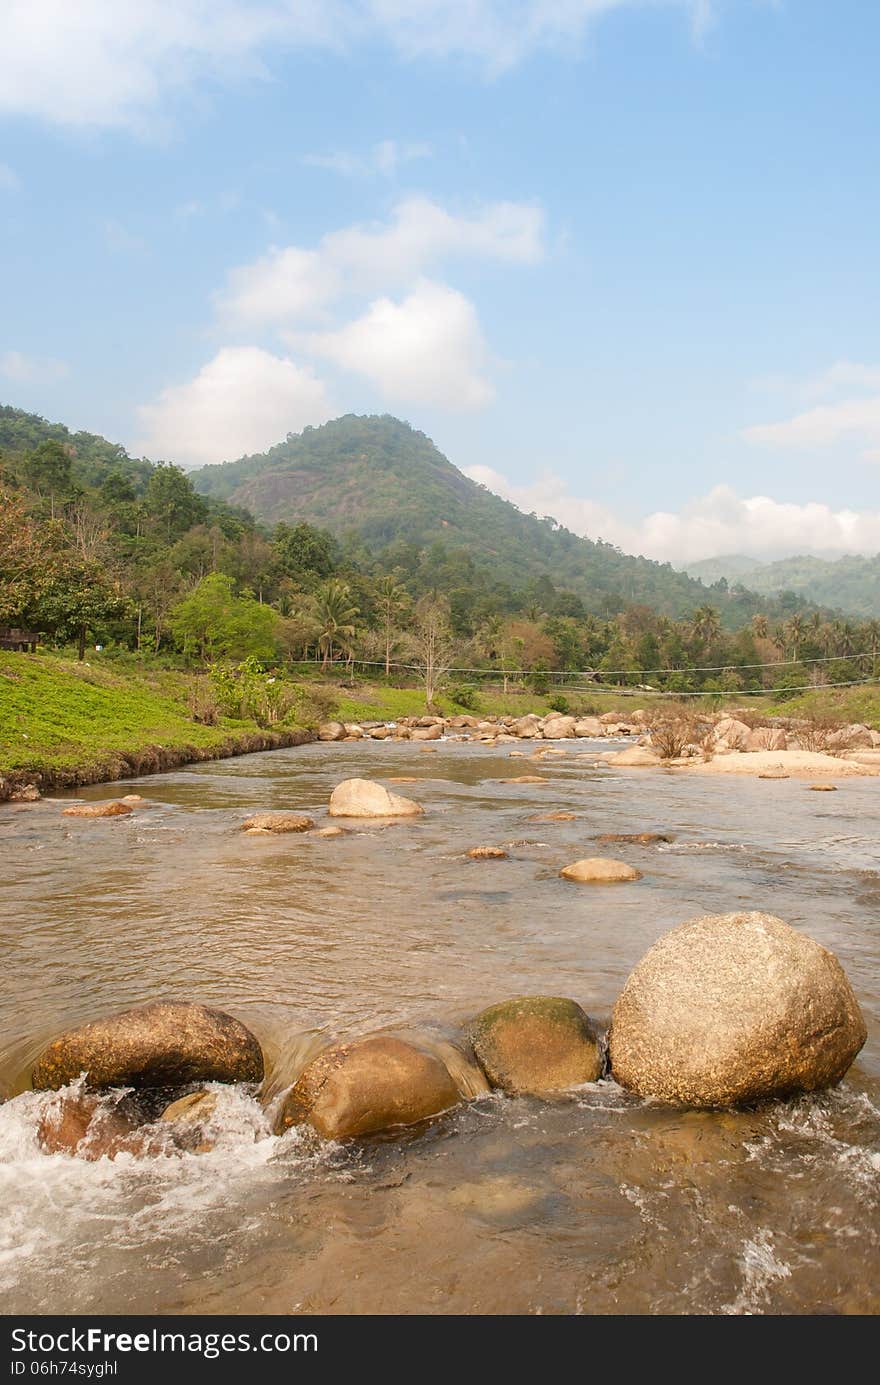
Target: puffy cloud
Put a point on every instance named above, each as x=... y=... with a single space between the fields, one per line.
x=115 y=63
x=15 y=365
x=291 y=282
x=712 y=525
x=852 y=419
x=427 y=349
x=243 y=400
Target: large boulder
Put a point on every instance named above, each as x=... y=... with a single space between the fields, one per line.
x=115 y=809
x=526 y=727
x=278 y=822
x=732 y=734
x=427 y=733
x=588 y=726
x=166 y=1044
x=536 y=1043
x=361 y=798
x=766 y=738
x=599 y=870
x=634 y=757
x=372 y=1084
x=852 y=737
x=331 y=731
x=733 y=1008
x=559 y=728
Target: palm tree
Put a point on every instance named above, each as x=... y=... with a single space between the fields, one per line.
x=392 y=600
x=872 y=634
x=335 y=614
x=705 y=625
x=796 y=630
x=760 y=629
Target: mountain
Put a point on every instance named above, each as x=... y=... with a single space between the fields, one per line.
x=850 y=583
x=93 y=457
x=378 y=481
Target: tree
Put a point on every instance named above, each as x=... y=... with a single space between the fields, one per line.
x=335 y=614
x=705 y=626
x=223 y=625
x=171 y=502
x=433 y=640
x=796 y=630
x=392 y=600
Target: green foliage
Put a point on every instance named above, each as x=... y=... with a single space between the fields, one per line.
x=465 y=695
x=218 y=624
x=560 y=703
x=251 y=692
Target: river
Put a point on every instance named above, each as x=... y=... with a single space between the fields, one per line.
x=594 y=1202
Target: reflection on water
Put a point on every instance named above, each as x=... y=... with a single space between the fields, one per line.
x=593 y=1202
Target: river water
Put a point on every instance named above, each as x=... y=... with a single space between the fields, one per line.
x=594 y=1202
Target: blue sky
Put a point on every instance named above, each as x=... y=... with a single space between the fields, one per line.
x=618 y=258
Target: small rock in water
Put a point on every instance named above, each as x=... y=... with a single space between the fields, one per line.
x=553 y=817
x=729 y=1009
x=28 y=793
x=822 y=788
x=91 y=1128
x=132 y=798
x=536 y=1044
x=599 y=870
x=526 y=779
x=637 y=838
x=331 y=831
x=372 y=1084
x=97 y=810
x=487 y=853
x=774 y=774
x=279 y=822
x=166 y=1044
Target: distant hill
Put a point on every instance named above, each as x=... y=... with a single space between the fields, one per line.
x=850 y=584
x=93 y=457
x=376 y=479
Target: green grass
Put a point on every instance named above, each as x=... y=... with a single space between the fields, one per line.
x=58 y=715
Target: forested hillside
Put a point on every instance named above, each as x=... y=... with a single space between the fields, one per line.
x=380 y=482
x=374 y=552
x=850 y=584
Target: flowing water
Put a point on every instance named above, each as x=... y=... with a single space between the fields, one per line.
x=593 y=1202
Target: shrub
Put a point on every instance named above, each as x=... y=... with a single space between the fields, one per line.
x=464 y=695
x=559 y=703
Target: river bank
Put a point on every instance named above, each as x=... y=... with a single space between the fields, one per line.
x=65 y=724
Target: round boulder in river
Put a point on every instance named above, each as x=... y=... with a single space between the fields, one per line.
x=372 y=1084
x=278 y=822
x=166 y=1044
x=361 y=798
x=730 y=1009
x=536 y=1043
x=599 y=870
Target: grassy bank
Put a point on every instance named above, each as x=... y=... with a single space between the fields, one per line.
x=63 y=723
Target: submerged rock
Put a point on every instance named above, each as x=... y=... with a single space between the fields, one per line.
x=361 y=798
x=599 y=870
x=97 y=810
x=487 y=853
x=822 y=788
x=536 y=1044
x=733 y=1008
x=278 y=822
x=553 y=817
x=638 y=838
x=369 y=1085
x=90 y=1127
x=166 y=1044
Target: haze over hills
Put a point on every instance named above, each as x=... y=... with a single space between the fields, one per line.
x=381 y=481
x=850 y=583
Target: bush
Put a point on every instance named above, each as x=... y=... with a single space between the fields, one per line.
x=559 y=703
x=248 y=692
x=464 y=695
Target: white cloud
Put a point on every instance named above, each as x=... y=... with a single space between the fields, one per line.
x=117 y=63
x=427 y=349
x=243 y=400
x=26 y=370
x=9 y=179
x=385 y=158
x=711 y=525
x=291 y=281
x=851 y=415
